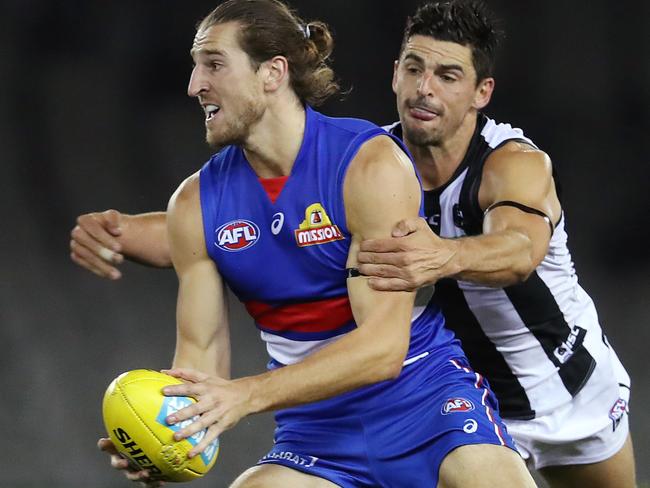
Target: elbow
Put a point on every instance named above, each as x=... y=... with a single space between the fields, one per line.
x=395 y=369
x=523 y=272
x=526 y=263
x=518 y=273
x=390 y=364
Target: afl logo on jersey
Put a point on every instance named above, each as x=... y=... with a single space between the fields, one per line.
x=237 y=235
x=454 y=405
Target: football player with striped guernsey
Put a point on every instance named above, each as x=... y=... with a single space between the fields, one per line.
x=368 y=391
x=502 y=271
x=522 y=317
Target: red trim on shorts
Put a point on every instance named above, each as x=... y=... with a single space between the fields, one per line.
x=319 y=316
x=479 y=385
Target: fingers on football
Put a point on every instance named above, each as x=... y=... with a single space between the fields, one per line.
x=118 y=462
x=186 y=374
x=185 y=414
x=213 y=432
x=105 y=444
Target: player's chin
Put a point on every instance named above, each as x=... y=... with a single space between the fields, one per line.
x=215 y=140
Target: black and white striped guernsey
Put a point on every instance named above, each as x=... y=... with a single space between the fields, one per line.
x=537 y=342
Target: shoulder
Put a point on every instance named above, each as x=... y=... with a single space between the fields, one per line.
x=187 y=194
x=380 y=158
x=349 y=124
x=517 y=158
x=185 y=223
x=381 y=187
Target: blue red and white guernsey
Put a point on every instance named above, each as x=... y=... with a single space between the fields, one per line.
x=283 y=252
x=285 y=259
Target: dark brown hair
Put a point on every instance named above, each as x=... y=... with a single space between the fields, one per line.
x=465 y=22
x=270 y=28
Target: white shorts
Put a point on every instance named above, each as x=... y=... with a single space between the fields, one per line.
x=574 y=433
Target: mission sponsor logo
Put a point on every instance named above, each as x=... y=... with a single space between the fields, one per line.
x=317 y=228
x=237 y=235
x=456 y=405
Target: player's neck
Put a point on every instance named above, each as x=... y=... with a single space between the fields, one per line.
x=437 y=164
x=273 y=145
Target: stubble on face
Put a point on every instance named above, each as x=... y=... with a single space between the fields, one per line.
x=237 y=127
x=234 y=86
x=421 y=137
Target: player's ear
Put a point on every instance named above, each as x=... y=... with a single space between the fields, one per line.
x=275 y=72
x=483 y=93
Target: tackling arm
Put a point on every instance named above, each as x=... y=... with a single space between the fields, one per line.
x=514 y=241
x=511 y=246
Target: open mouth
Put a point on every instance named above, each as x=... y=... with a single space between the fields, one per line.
x=210 y=111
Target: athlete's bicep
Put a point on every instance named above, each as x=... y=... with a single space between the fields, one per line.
x=518 y=193
x=380 y=189
x=201 y=314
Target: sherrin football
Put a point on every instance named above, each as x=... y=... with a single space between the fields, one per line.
x=135 y=409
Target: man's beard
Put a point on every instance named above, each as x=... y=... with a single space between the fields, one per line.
x=421 y=137
x=237 y=132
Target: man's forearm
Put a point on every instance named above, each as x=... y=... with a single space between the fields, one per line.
x=357 y=359
x=500 y=259
x=144 y=239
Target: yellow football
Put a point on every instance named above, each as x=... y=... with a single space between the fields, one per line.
x=135 y=410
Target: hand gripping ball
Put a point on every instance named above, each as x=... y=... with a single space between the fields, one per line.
x=135 y=409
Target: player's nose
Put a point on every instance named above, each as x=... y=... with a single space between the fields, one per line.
x=198 y=83
x=426 y=84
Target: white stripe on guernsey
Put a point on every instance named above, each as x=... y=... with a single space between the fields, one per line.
x=415 y=358
x=287 y=351
x=488 y=410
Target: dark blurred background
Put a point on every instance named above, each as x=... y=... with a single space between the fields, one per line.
x=93 y=115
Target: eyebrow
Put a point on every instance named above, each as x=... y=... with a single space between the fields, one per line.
x=207 y=52
x=414 y=57
x=443 y=67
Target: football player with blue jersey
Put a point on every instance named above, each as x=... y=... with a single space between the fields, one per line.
x=367 y=390
x=514 y=299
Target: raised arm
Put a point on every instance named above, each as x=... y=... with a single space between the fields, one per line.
x=380 y=189
x=102 y=240
x=518 y=191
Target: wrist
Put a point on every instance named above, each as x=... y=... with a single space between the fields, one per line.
x=457 y=262
x=254 y=400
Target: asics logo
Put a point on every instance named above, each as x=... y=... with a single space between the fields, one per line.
x=277 y=223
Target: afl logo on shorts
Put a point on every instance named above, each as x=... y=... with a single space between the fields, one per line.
x=454 y=405
x=237 y=235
